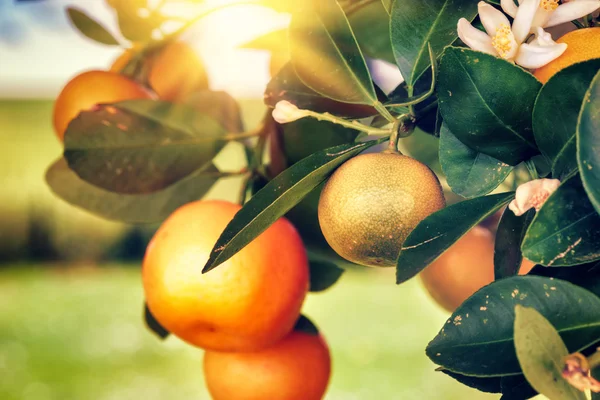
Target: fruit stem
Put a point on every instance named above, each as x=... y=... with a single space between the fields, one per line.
x=532 y=169
x=384 y=112
x=369 y=130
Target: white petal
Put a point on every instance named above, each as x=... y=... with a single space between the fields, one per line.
x=532 y=194
x=540 y=19
x=491 y=18
x=285 y=112
x=509 y=7
x=542 y=38
x=474 y=38
x=524 y=19
x=533 y=56
x=572 y=10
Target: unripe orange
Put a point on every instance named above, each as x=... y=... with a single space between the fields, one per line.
x=249 y=302
x=295 y=368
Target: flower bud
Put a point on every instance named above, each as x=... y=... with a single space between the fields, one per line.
x=533 y=194
x=285 y=112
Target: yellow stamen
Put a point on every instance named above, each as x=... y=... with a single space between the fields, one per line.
x=503 y=40
x=549 y=5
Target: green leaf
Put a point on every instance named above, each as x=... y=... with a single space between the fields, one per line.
x=218 y=105
x=541 y=354
x=323 y=275
x=371 y=26
x=555 y=114
x=90 y=28
x=143 y=208
x=326 y=56
x=387 y=5
x=141 y=146
x=478 y=338
x=278 y=197
x=154 y=325
x=415 y=23
x=136 y=21
x=586 y=275
x=287 y=86
x=469 y=173
x=436 y=233
x=486 y=384
x=565 y=230
x=306 y=325
x=487 y=103
x=516 y=387
x=588 y=141
x=507 y=248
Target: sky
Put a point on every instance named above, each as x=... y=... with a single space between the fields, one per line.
x=40 y=51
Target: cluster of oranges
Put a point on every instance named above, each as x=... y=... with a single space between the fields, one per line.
x=173 y=72
x=242 y=313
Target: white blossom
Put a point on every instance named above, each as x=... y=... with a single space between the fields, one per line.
x=285 y=112
x=549 y=13
x=533 y=194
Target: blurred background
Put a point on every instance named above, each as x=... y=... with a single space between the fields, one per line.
x=71 y=299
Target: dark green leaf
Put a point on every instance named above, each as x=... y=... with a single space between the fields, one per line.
x=588 y=141
x=326 y=55
x=487 y=385
x=469 y=173
x=555 y=114
x=143 y=208
x=507 y=248
x=596 y=375
x=90 y=28
x=415 y=23
x=278 y=197
x=371 y=26
x=541 y=354
x=487 y=103
x=478 y=337
x=141 y=146
x=516 y=387
x=154 y=325
x=287 y=86
x=306 y=325
x=565 y=230
x=586 y=275
x=436 y=233
x=323 y=275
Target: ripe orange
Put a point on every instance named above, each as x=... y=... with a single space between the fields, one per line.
x=175 y=70
x=463 y=269
x=296 y=368
x=584 y=44
x=372 y=203
x=249 y=302
x=89 y=89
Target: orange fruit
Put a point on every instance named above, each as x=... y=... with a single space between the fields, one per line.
x=296 y=368
x=372 y=203
x=249 y=302
x=89 y=89
x=466 y=267
x=175 y=70
x=584 y=44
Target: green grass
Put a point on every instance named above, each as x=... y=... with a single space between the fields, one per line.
x=77 y=334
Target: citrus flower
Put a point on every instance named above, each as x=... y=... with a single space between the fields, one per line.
x=505 y=41
x=550 y=13
x=533 y=194
x=577 y=372
x=285 y=112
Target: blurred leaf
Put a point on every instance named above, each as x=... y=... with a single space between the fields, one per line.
x=588 y=141
x=278 y=197
x=323 y=275
x=565 y=230
x=417 y=23
x=287 y=86
x=516 y=387
x=507 y=248
x=487 y=103
x=143 y=208
x=387 y=4
x=141 y=146
x=326 y=56
x=90 y=28
x=306 y=325
x=556 y=113
x=220 y=106
x=436 y=233
x=586 y=275
x=485 y=384
x=478 y=338
x=371 y=26
x=469 y=173
x=541 y=354
x=136 y=20
x=154 y=325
